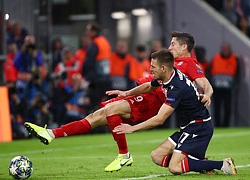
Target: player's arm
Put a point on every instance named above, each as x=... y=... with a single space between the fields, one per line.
x=164 y=112
x=207 y=88
x=143 y=88
x=194 y=72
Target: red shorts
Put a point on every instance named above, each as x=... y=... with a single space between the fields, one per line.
x=143 y=106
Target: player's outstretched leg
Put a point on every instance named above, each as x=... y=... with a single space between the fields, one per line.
x=119 y=162
x=113 y=118
x=39 y=132
x=73 y=128
x=82 y=126
x=124 y=157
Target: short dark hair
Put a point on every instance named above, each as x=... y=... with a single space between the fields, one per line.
x=165 y=57
x=184 y=38
x=140 y=48
x=94 y=26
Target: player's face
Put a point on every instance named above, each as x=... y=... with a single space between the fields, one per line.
x=175 y=48
x=156 y=69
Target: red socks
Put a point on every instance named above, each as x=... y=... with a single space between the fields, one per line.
x=83 y=126
x=113 y=121
x=185 y=166
x=165 y=161
x=73 y=128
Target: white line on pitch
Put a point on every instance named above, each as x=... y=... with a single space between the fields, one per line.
x=162 y=175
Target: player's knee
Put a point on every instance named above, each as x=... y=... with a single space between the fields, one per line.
x=109 y=110
x=101 y=112
x=174 y=169
x=98 y=118
x=113 y=108
x=155 y=157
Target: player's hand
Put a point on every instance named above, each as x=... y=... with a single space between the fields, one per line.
x=205 y=99
x=123 y=129
x=116 y=92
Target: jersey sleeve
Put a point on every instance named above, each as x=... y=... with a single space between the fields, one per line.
x=155 y=83
x=194 y=71
x=174 y=96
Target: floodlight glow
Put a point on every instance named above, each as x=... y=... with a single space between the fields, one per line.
x=139 y=12
x=6 y=17
x=118 y=15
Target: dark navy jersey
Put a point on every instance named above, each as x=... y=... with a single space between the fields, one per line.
x=182 y=95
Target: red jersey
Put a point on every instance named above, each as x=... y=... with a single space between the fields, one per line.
x=80 y=55
x=190 y=67
x=10 y=72
x=143 y=106
x=71 y=67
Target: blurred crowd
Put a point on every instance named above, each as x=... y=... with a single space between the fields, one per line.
x=236 y=11
x=72 y=83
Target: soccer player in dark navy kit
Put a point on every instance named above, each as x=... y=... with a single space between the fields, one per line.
x=184 y=150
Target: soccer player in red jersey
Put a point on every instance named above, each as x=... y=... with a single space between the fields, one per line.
x=131 y=109
x=181 y=46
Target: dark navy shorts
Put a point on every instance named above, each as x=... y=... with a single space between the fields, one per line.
x=193 y=140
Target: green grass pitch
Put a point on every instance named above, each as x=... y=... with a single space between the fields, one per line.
x=85 y=157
